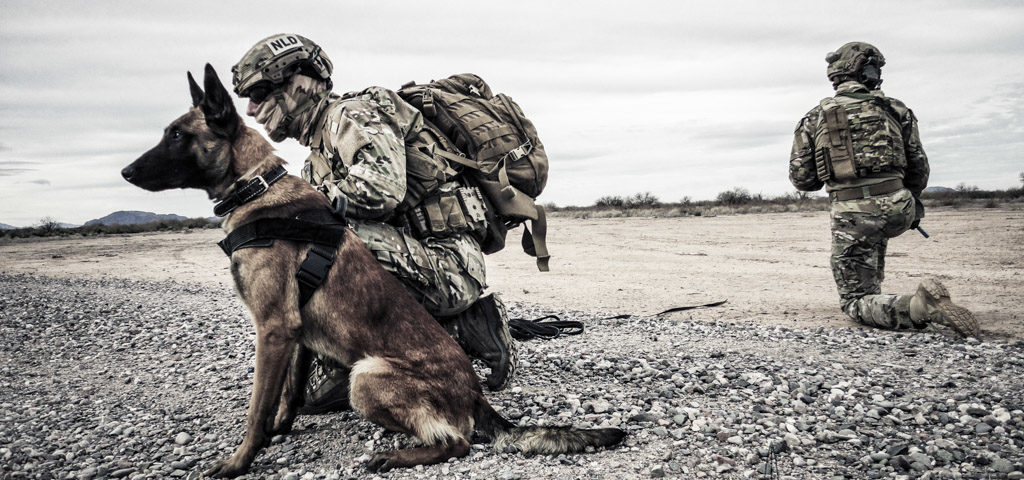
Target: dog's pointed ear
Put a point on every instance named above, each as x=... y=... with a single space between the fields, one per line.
x=197 y=93
x=218 y=107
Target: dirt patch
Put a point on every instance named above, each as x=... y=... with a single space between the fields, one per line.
x=771 y=268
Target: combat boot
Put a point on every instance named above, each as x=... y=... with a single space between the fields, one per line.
x=326 y=387
x=931 y=304
x=482 y=331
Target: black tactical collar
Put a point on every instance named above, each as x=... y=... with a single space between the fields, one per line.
x=257 y=186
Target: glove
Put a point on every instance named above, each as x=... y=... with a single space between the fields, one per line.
x=918 y=213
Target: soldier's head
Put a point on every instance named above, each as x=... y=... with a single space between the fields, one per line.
x=280 y=76
x=857 y=61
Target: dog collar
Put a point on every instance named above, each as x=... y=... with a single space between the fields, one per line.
x=256 y=186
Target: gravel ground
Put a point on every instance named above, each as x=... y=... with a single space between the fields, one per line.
x=131 y=379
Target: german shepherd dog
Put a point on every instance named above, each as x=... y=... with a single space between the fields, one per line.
x=408 y=375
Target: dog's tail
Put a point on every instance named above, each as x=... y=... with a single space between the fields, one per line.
x=541 y=440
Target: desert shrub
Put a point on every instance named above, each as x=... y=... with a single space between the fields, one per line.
x=640 y=200
x=550 y=206
x=965 y=189
x=610 y=201
x=48 y=226
x=736 y=196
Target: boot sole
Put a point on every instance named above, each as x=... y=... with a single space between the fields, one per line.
x=510 y=358
x=500 y=380
x=960 y=319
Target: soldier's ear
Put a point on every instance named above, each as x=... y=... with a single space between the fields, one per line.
x=217 y=106
x=197 y=93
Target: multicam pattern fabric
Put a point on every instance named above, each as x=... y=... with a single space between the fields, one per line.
x=446 y=275
x=359 y=154
x=288 y=111
x=807 y=144
x=861 y=230
x=274 y=58
x=844 y=61
x=359 y=151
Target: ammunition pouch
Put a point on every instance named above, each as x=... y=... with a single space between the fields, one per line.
x=447 y=213
x=837 y=154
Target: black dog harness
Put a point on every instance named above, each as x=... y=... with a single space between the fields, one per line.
x=322 y=228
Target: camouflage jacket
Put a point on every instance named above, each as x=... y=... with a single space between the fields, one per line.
x=358 y=150
x=802 y=169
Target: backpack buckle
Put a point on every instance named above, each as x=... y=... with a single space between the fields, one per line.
x=521 y=151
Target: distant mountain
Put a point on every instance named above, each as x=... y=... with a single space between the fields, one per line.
x=132 y=218
x=939 y=189
x=4 y=226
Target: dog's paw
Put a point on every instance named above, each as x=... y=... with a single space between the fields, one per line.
x=380 y=463
x=226 y=469
x=282 y=425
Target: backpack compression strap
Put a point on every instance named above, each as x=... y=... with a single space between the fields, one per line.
x=321 y=230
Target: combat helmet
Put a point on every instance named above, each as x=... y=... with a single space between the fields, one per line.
x=850 y=60
x=274 y=60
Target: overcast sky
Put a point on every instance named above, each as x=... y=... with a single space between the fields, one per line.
x=678 y=98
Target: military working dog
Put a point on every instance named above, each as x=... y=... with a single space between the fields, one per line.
x=408 y=375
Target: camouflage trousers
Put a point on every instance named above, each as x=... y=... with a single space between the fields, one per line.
x=861 y=230
x=445 y=275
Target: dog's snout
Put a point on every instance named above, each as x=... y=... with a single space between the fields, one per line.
x=128 y=172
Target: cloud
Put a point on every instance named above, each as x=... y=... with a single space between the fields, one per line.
x=679 y=98
x=14 y=167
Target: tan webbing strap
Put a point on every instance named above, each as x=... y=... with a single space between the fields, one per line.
x=539 y=237
x=519 y=205
x=500 y=147
x=883 y=188
x=507 y=190
x=493 y=133
x=459 y=159
x=472 y=124
x=840 y=144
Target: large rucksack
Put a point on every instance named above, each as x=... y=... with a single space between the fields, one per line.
x=498 y=148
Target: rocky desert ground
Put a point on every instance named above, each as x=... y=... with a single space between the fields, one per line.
x=130 y=357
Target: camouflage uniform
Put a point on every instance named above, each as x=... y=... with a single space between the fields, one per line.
x=358 y=153
x=861 y=228
x=364 y=147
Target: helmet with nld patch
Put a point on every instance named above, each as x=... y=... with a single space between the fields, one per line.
x=274 y=60
x=856 y=61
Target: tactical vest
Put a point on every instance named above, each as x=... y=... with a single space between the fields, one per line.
x=858 y=139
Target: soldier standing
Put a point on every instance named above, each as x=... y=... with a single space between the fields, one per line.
x=363 y=146
x=864 y=148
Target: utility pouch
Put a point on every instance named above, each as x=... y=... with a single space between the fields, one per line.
x=839 y=160
x=448 y=213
